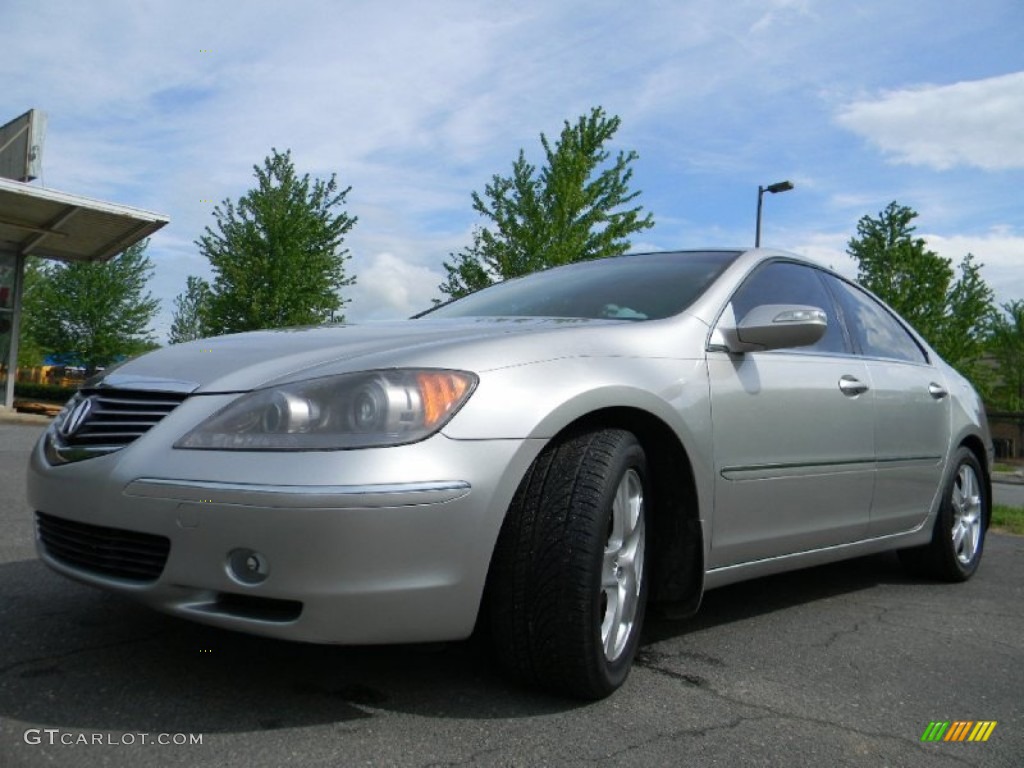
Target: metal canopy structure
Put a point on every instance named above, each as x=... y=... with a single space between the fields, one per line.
x=56 y=225
x=21 y=146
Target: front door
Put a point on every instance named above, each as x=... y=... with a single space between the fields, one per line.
x=793 y=432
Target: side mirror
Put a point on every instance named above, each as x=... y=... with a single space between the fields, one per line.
x=776 y=326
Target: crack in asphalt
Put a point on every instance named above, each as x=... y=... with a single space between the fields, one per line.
x=650 y=663
x=902 y=607
x=55 y=658
x=890 y=621
x=682 y=733
x=468 y=760
x=857 y=626
x=683 y=653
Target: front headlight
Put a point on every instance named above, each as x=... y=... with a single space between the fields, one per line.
x=353 y=410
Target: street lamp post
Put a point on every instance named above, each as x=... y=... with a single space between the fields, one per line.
x=779 y=186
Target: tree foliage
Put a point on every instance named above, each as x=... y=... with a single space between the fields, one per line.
x=467 y=271
x=91 y=313
x=576 y=207
x=190 y=308
x=950 y=311
x=277 y=254
x=1006 y=347
x=30 y=353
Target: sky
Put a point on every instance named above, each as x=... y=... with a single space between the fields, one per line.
x=167 y=106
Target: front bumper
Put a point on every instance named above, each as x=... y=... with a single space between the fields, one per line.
x=372 y=546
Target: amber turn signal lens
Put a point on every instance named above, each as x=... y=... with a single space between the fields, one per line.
x=440 y=392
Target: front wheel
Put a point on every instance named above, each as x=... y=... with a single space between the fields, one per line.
x=959 y=535
x=568 y=583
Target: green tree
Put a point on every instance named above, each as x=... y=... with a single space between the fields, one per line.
x=277 y=254
x=92 y=313
x=1006 y=347
x=30 y=352
x=466 y=272
x=951 y=312
x=190 y=310
x=575 y=208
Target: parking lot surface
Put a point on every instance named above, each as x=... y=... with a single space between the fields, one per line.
x=843 y=665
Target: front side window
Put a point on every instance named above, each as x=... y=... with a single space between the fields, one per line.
x=873 y=327
x=783 y=282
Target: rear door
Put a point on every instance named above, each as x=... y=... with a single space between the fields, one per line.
x=912 y=412
x=793 y=432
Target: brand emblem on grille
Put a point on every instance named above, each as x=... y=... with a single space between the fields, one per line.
x=77 y=417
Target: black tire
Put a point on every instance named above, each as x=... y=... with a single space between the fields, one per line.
x=548 y=595
x=958 y=538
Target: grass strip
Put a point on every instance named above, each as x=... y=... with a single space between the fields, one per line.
x=1008 y=519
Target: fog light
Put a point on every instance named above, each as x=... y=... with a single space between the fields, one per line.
x=247 y=566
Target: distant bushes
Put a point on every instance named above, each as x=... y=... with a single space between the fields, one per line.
x=46 y=392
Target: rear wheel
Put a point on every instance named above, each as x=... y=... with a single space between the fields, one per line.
x=568 y=583
x=959 y=534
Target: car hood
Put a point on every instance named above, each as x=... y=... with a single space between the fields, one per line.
x=244 y=361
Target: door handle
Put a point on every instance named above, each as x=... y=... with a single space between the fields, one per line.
x=851 y=386
x=937 y=391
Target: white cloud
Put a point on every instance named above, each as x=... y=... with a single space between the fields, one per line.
x=390 y=287
x=1000 y=250
x=975 y=123
x=162 y=106
x=779 y=14
x=828 y=249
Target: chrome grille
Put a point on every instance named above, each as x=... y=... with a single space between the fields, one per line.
x=103 y=420
x=119 y=416
x=112 y=552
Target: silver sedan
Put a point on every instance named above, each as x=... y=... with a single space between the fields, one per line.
x=540 y=459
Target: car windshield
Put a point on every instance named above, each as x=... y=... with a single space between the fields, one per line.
x=647 y=286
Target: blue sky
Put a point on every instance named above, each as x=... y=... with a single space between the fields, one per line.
x=164 y=105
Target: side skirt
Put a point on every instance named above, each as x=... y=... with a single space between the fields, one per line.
x=730 y=574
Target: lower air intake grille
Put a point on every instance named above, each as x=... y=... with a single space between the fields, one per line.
x=113 y=552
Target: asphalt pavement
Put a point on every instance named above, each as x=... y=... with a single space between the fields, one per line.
x=842 y=665
x=1010 y=494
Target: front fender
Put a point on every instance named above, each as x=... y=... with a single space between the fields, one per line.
x=538 y=401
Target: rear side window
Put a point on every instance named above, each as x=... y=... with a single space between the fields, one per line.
x=783 y=282
x=873 y=327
